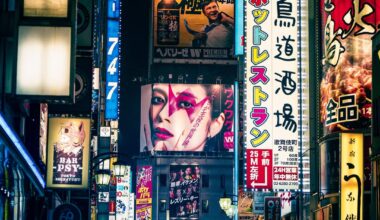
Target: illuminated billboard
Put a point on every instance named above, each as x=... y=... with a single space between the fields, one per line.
x=112 y=60
x=187 y=117
x=184 y=191
x=68 y=153
x=43 y=131
x=144 y=192
x=346 y=86
x=272 y=96
x=351 y=176
x=193 y=31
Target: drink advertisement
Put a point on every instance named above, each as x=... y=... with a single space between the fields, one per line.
x=68 y=152
x=184 y=191
x=187 y=117
x=144 y=192
x=346 y=84
x=193 y=31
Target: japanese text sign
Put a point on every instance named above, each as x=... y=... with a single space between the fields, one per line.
x=68 y=152
x=144 y=192
x=351 y=176
x=199 y=31
x=272 y=90
x=346 y=86
x=112 y=60
x=123 y=192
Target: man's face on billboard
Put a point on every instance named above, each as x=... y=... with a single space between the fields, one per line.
x=180 y=116
x=211 y=11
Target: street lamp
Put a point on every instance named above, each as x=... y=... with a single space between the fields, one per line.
x=119 y=168
x=102 y=177
x=228 y=205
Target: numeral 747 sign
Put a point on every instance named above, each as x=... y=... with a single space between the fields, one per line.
x=112 y=60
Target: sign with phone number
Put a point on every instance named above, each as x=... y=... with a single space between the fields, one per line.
x=112 y=60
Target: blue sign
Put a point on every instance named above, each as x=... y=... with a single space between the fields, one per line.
x=239 y=27
x=112 y=60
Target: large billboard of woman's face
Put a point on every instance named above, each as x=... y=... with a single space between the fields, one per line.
x=187 y=117
x=346 y=86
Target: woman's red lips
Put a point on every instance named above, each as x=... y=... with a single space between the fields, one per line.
x=162 y=133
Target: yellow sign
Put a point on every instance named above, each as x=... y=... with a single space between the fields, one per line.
x=68 y=153
x=351 y=177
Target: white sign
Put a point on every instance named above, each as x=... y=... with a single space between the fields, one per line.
x=271 y=81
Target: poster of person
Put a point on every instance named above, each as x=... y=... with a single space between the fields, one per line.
x=68 y=152
x=187 y=117
x=346 y=85
x=195 y=31
x=144 y=193
x=184 y=191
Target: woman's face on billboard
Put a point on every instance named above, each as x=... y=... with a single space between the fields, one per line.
x=180 y=117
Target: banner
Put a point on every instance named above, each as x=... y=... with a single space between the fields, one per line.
x=272 y=95
x=112 y=60
x=187 y=117
x=184 y=191
x=123 y=192
x=351 y=176
x=346 y=86
x=193 y=31
x=68 y=152
x=144 y=192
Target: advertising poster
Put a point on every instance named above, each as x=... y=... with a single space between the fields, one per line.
x=193 y=31
x=68 y=152
x=187 y=117
x=245 y=204
x=123 y=192
x=346 y=84
x=144 y=192
x=272 y=95
x=351 y=176
x=184 y=191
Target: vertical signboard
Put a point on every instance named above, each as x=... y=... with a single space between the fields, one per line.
x=351 y=176
x=346 y=86
x=43 y=131
x=187 y=117
x=144 y=192
x=112 y=60
x=68 y=153
x=184 y=191
x=272 y=208
x=272 y=95
x=123 y=192
x=193 y=31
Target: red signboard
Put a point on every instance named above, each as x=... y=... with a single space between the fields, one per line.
x=259 y=168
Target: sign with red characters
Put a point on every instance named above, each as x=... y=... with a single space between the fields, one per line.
x=259 y=167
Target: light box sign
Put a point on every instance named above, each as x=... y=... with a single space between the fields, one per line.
x=44 y=61
x=272 y=209
x=123 y=192
x=184 y=191
x=193 y=31
x=187 y=117
x=272 y=95
x=351 y=176
x=68 y=153
x=45 y=8
x=346 y=86
x=112 y=60
x=144 y=192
